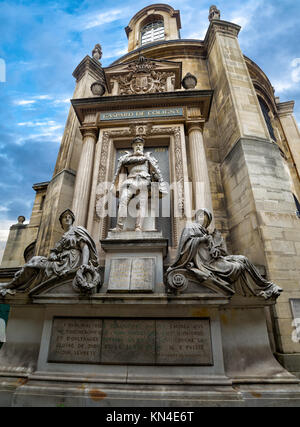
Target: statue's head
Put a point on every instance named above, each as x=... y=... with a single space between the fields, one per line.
x=66 y=218
x=138 y=145
x=203 y=217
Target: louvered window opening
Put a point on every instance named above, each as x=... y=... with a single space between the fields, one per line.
x=153 y=32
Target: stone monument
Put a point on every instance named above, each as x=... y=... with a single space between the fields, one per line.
x=202 y=257
x=134 y=308
x=74 y=255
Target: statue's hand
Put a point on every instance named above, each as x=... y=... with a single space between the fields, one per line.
x=215 y=253
x=53 y=257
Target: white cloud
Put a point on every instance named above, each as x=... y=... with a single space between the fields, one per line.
x=199 y=35
x=116 y=53
x=25 y=102
x=288 y=80
x=296 y=70
x=42 y=97
x=62 y=101
x=95 y=20
x=243 y=21
x=32 y=124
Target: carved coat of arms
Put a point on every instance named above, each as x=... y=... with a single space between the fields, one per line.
x=143 y=78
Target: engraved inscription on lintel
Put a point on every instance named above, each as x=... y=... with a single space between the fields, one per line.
x=186 y=342
x=131 y=341
x=75 y=340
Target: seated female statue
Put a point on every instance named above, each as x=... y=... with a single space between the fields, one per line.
x=204 y=255
x=76 y=249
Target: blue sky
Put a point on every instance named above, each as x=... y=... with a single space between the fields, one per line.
x=42 y=42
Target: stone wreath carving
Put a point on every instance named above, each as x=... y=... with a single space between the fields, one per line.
x=202 y=258
x=74 y=256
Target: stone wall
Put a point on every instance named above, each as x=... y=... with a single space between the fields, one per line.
x=263 y=224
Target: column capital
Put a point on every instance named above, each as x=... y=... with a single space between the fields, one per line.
x=195 y=125
x=89 y=131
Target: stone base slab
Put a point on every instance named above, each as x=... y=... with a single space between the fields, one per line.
x=291 y=362
x=43 y=393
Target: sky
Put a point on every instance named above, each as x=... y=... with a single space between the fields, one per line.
x=42 y=42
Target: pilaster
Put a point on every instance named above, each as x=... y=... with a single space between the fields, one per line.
x=263 y=224
x=238 y=110
x=291 y=130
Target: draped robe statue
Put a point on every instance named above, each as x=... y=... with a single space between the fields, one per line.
x=203 y=257
x=140 y=170
x=75 y=252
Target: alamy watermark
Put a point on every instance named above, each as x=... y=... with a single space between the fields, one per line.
x=2 y=71
x=158 y=205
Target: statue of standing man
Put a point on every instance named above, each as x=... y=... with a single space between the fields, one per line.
x=134 y=175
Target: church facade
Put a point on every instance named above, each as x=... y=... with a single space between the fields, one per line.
x=216 y=140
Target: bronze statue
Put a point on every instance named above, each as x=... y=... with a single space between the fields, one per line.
x=202 y=256
x=74 y=253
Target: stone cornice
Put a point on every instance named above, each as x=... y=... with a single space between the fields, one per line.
x=221 y=27
x=285 y=108
x=189 y=98
x=167 y=50
x=88 y=64
x=41 y=186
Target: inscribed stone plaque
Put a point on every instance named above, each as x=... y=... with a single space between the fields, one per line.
x=141 y=114
x=183 y=342
x=75 y=340
x=142 y=274
x=119 y=276
x=128 y=341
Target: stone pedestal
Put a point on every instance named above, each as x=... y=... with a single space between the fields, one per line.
x=134 y=261
x=130 y=350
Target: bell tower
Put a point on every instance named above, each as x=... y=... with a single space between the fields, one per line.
x=154 y=23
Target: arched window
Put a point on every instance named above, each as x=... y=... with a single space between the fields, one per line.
x=153 y=32
x=265 y=110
